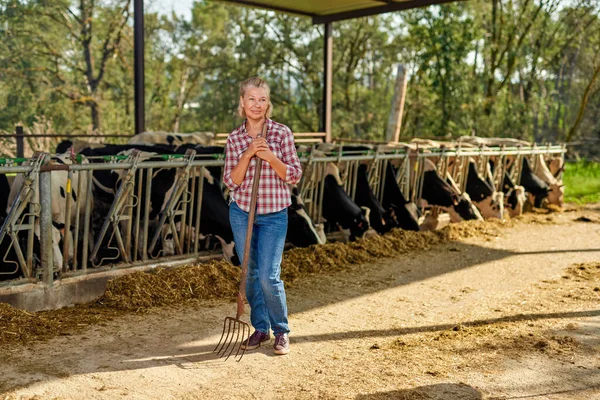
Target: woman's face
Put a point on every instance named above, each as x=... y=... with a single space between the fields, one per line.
x=255 y=102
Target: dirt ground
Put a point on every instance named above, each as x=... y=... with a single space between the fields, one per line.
x=516 y=316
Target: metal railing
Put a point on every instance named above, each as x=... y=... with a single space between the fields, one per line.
x=121 y=226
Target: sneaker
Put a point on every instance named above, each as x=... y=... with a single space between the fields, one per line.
x=282 y=344
x=255 y=340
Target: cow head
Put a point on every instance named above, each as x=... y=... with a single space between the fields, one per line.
x=229 y=252
x=302 y=232
x=463 y=209
x=360 y=223
x=515 y=201
x=556 y=194
x=492 y=206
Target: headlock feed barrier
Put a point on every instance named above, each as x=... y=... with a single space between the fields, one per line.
x=69 y=215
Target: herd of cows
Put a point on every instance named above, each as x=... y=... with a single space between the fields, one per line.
x=355 y=216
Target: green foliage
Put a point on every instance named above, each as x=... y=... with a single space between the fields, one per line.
x=582 y=182
x=517 y=68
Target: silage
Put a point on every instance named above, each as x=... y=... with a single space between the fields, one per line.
x=142 y=291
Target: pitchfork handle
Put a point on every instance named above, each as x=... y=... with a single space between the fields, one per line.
x=247 y=246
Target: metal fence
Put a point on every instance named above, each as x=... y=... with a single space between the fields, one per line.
x=409 y=165
x=124 y=226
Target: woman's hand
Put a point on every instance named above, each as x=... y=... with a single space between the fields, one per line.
x=266 y=155
x=258 y=144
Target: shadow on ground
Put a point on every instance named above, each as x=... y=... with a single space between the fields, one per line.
x=306 y=294
x=440 y=391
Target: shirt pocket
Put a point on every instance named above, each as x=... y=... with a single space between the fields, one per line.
x=241 y=149
x=275 y=146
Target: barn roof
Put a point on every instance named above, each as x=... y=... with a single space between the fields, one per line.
x=323 y=11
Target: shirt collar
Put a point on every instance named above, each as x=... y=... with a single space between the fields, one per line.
x=267 y=121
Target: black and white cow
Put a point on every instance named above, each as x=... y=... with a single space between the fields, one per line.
x=61 y=188
x=483 y=194
x=406 y=212
x=445 y=194
x=9 y=265
x=302 y=231
x=175 y=139
x=214 y=217
x=537 y=190
x=4 y=192
x=514 y=196
x=381 y=219
x=338 y=207
x=557 y=191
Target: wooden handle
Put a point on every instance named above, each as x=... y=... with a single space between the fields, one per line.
x=248 y=244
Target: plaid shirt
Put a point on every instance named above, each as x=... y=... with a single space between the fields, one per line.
x=273 y=192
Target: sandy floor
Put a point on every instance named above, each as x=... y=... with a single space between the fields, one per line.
x=485 y=318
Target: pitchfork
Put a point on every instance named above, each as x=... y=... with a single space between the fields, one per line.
x=232 y=325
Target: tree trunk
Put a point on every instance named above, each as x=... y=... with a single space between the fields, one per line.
x=95 y=115
x=583 y=104
x=181 y=99
x=395 y=120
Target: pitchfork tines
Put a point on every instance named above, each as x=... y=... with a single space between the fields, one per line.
x=231 y=325
x=235 y=333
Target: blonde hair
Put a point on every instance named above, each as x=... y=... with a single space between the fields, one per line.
x=256 y=82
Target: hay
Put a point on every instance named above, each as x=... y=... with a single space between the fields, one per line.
x=469 y=229
x=19 y=326
x=332 y=257
x=585 y=272
x=142 y=291
x=162 y=287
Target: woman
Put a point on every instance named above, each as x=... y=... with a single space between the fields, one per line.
x=264 y=288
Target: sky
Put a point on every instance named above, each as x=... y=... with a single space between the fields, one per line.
x=181 y=7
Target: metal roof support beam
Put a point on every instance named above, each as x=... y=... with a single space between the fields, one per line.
x=250 y=3
x=327 y=81
x=138 y=68
x=396 y=6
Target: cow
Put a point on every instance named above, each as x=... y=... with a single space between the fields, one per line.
x=483 y=194
x=537 y=190
x=557 y=191
x=338 y=207
x=175 y=139
x=556 y=165
x=445 y=193
x=9 y=265
x=205 y=153
x=514 y=196
x=214 y=218
x=381 y=219
x=61 y=188
x=4 y=191
x=406 y=212
x=302 y=232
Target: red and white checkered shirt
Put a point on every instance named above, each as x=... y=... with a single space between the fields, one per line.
x=273 y=192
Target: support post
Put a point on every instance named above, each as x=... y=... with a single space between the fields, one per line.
x=47 y=259
x=327 y=81
x=392 y=133
x=138 y=61
x=20 y=142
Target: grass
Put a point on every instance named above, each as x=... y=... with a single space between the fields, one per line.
x=582 y=182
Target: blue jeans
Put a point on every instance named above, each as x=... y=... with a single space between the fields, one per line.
x=264 y=288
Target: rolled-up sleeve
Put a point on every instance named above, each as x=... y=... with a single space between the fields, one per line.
x=231 y=160
x=290 y=159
